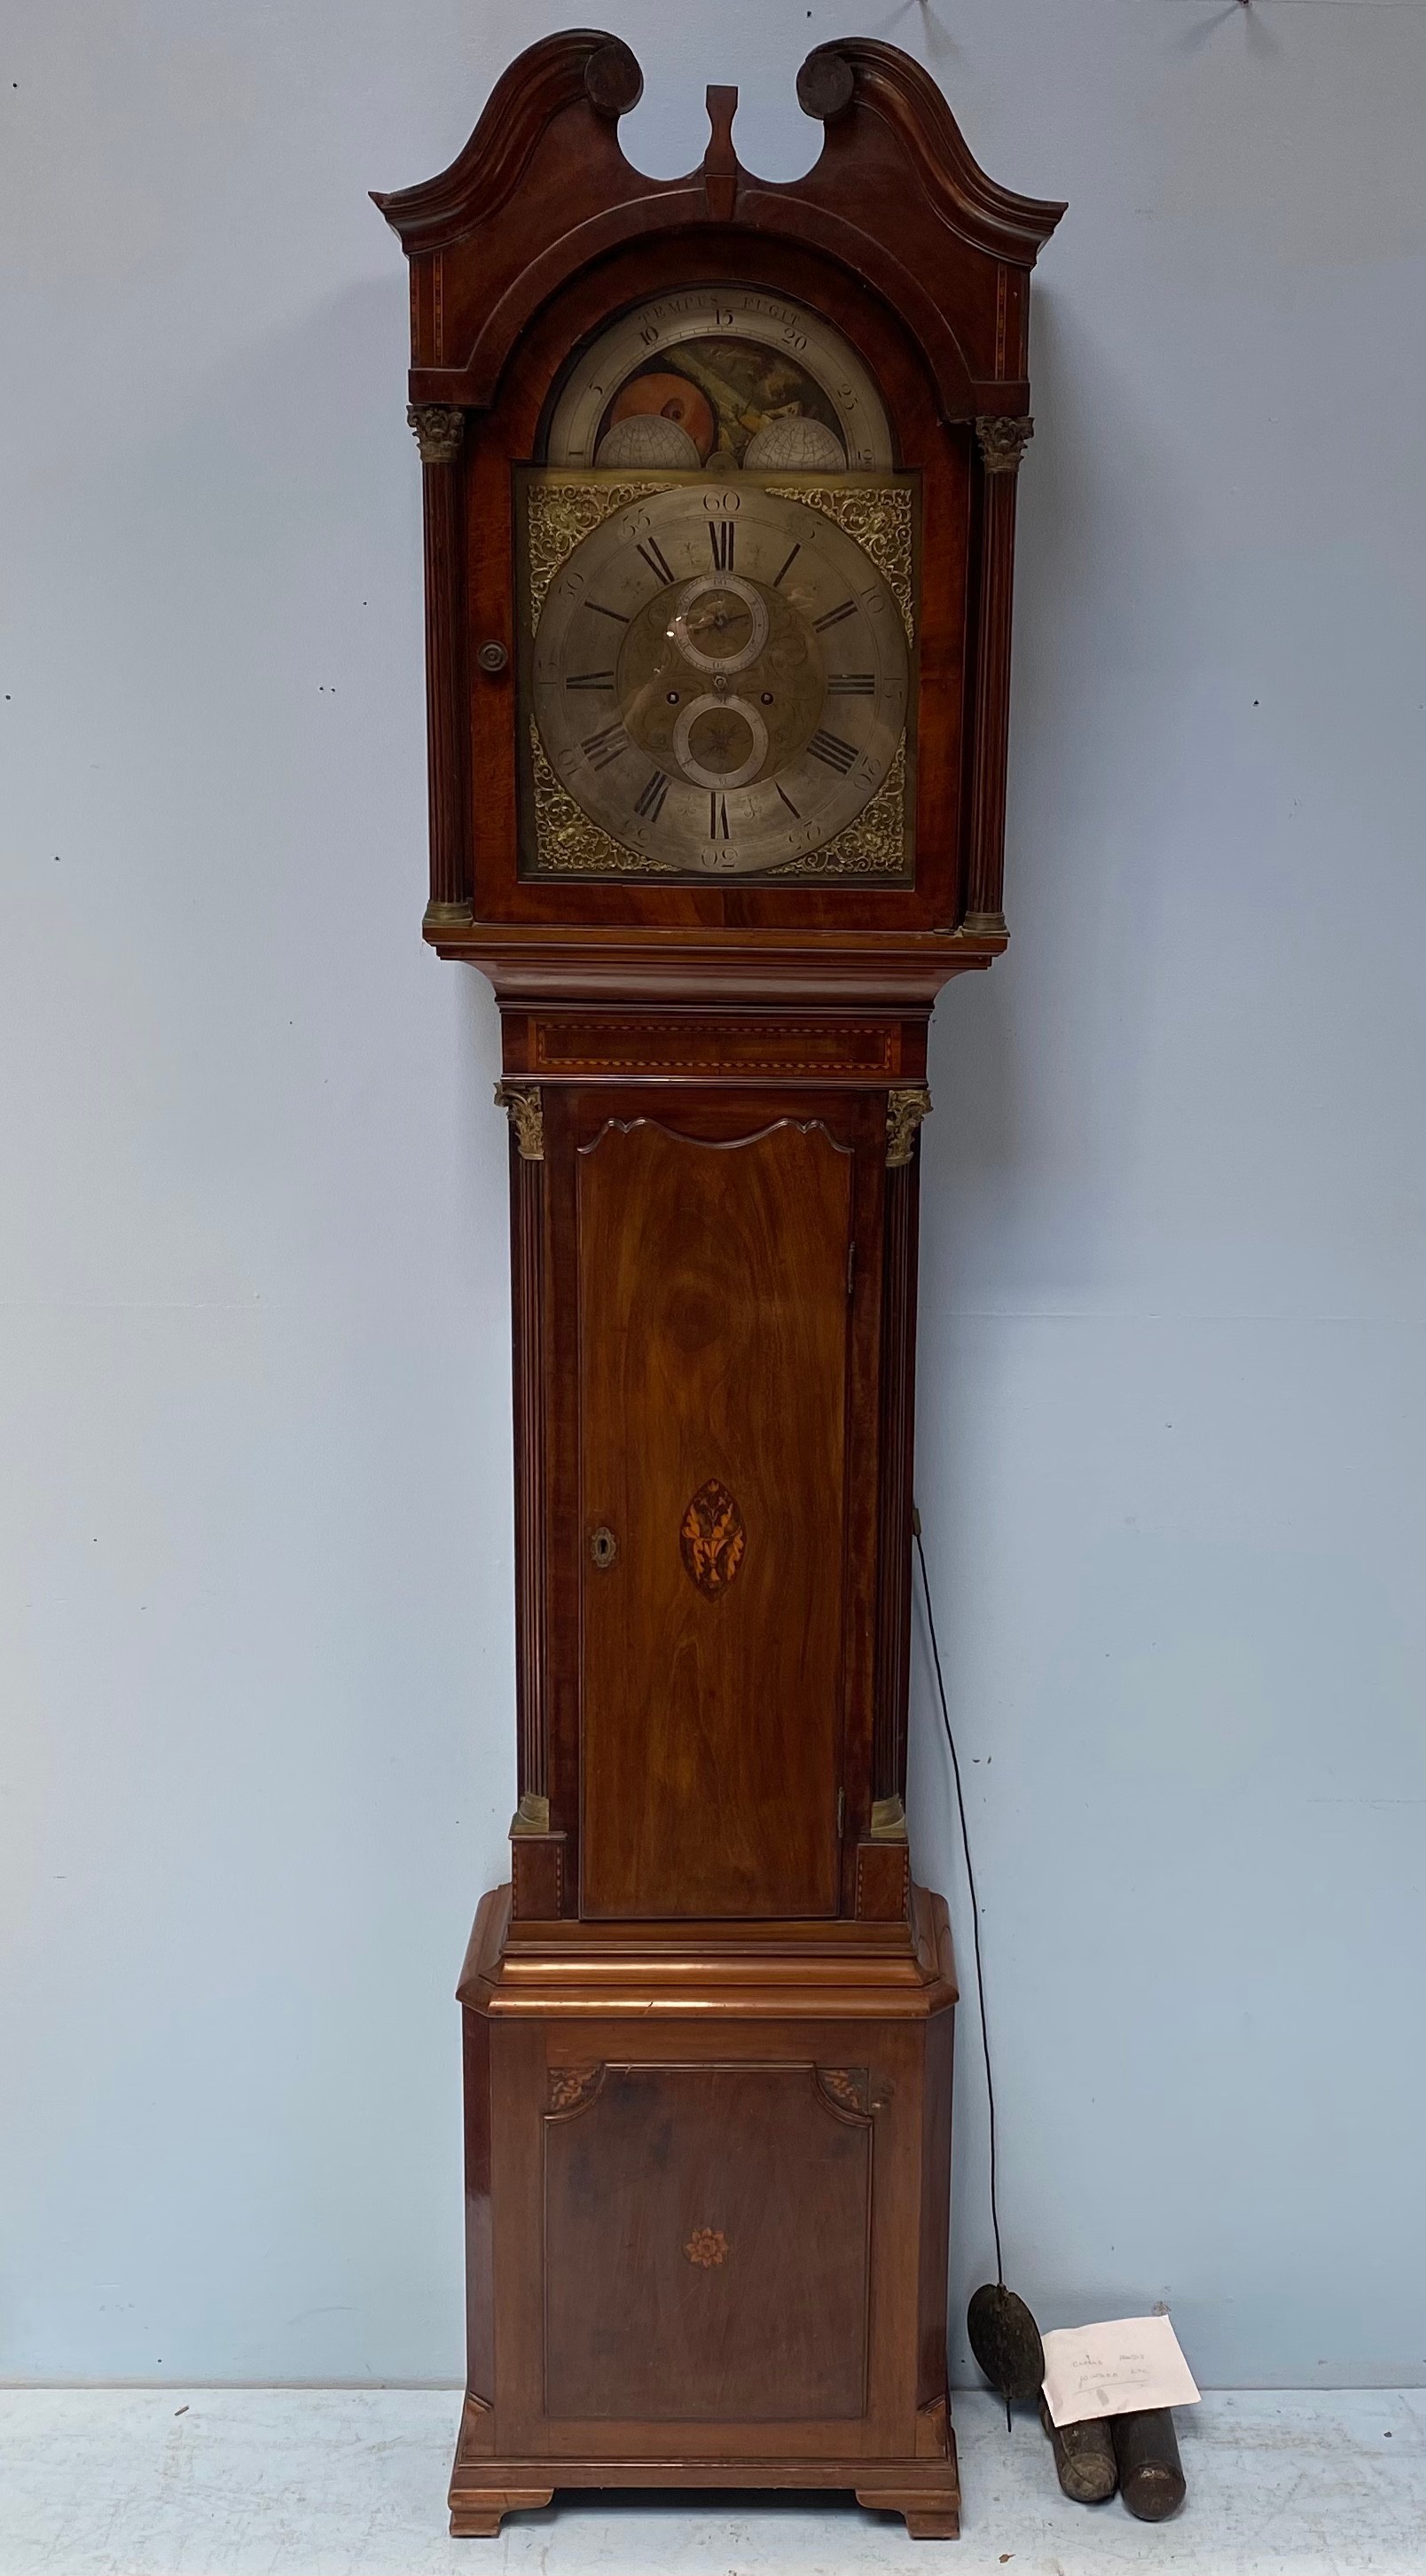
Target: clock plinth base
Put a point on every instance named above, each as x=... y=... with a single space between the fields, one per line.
x=707 y=2192
x=925 y=2493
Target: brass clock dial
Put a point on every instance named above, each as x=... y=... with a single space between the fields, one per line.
x=718 y=672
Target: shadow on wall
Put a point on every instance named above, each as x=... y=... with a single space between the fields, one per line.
x=1033 y=1065
x=1034 y=1137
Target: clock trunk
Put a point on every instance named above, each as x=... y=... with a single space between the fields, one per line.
x=715 y=1291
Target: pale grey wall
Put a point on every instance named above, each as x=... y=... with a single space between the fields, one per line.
x=257 y=1660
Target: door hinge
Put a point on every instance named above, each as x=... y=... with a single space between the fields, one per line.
x=841 y=1813
x=851 y=1266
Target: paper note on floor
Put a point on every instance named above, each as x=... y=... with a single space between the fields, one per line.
x=1115 y=2369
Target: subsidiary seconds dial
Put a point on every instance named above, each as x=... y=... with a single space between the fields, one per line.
x=719 y=677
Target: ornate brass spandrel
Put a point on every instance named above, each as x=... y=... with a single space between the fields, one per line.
x=525 y=1110
x=438 y=429
x=1003 y=442
x=878 y=518
x=877 y=844
x=567 y=842
x=559 y=516
x=904 y=1113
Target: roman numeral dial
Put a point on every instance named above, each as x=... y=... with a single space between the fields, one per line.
x=717 y=678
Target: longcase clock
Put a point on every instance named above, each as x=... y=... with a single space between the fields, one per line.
x=719 y=519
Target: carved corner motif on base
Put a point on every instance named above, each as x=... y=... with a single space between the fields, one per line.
x=573 y=2088
x=846 y=2089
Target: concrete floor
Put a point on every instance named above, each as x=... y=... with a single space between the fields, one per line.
x=351 y=2482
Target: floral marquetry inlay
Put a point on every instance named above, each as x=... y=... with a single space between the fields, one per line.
x=845 y=2087
x=569 y=2086
x=706 y=2248
x=712 y=1539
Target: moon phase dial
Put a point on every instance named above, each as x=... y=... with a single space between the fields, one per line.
x=751 y=379
x=719 y=678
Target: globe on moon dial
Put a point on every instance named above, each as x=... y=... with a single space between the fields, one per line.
x=719 y=677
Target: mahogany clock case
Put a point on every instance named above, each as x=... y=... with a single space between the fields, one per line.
x=707 y=2026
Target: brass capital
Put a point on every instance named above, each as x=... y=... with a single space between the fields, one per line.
x=904 y=1113
x=888 y=1821
x=1003 y=442
x=525 y=1111
x=438 y=429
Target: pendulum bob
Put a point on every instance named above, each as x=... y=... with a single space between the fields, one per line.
x=1005 y=2341
x=1085 y=2464
x=1151 y=2475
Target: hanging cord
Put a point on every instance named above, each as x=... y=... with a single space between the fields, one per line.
x=974 y=1901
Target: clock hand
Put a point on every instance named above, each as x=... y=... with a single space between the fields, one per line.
x=698 y=621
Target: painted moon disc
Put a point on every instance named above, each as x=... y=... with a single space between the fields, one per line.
x=669 y=397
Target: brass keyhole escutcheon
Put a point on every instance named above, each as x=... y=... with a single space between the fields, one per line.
x=603 y=1547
